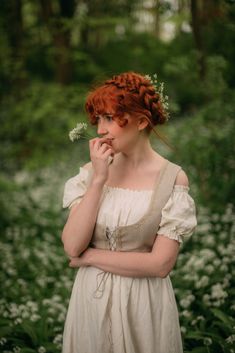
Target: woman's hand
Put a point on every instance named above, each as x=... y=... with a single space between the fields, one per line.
x=100 y=151
x=82 y=260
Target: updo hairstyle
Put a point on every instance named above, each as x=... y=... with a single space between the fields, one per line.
x=129 y=93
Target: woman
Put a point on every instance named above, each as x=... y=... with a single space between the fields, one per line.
x=130 y=210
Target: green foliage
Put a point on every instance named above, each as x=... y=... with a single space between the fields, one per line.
x=33 y=259
x=205 y=146
x=147 y=54
x=203 y=281
x=35 y=126
x=185 y=88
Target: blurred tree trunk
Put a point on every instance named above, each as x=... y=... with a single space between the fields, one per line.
x=196 y=13
x=157 y=19
x=14 y=24
x=182 y=5
x=59 y=24
x=203 y=14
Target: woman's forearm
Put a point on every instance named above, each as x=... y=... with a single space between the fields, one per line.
x=157 y=263
x=128 y=264
x=125 y=264
x=79 y=227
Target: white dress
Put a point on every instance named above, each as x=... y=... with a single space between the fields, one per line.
x=114 y=314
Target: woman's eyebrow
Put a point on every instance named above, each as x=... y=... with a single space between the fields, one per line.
x=104 y=115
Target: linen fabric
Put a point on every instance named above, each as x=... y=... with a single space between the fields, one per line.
x=111 y=313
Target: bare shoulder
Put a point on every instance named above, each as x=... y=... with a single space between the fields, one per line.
x=87 y=166
x=182 y=178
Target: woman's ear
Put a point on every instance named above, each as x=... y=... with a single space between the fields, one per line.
x=142 y=123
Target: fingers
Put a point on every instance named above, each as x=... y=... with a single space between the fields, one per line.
x=104 y=147
x=100 y=145
x=108 y=153
x=98 y=141
x=74 y=262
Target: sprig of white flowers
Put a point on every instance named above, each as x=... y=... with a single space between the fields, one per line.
x=80 y=131
x=159 y=88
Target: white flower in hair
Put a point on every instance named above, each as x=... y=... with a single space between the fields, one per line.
x=159 y=88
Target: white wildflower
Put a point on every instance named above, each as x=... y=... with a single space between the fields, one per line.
x=223 y=235
x=25 y=314
x=217 y=262
x=16 y=349
x=186 y=313
x=41 y=349
x=61 y=317
x=199 y=263
x=209 y=269
x=186 y=302
x=159 y=88
x=208 y=254
x=56 y=298
x=203 y=282
x=218 y=303
x=18 y=321
x=50 y=320
x=3 y=341
x=210 y=240
x=46 y=302
x=77 y=132
x=226 y=282
x=226 y=260
x=217 y=292
x=206 y=299
x=35 y=317
x=58 y=339
x=198 y=318
x=207 y=341
x=230 y=339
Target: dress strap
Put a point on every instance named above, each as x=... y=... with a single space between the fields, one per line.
x=170 y=175
x=167 y=183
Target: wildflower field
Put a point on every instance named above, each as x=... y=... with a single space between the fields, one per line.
x=36 y=281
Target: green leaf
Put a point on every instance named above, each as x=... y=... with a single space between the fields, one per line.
x=30 y=331
x=199 y=350
x=227 y=320
x=27 y=350
x=197 y=335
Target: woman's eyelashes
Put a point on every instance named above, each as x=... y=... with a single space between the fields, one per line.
x=107 y=117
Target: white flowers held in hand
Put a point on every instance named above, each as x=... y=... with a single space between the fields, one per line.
x=78 y=132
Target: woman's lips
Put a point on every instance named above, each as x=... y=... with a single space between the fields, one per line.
x=109 y=141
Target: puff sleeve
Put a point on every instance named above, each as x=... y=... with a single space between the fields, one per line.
x=75 y=188
x=178 y=215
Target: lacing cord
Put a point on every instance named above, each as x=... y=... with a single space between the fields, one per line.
x=101 y=279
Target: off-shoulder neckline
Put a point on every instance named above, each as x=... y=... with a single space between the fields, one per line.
x=176 y=187
x=116 y=188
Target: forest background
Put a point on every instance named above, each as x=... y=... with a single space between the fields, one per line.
x=52 y=52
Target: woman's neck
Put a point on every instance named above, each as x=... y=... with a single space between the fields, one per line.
x=141 y=155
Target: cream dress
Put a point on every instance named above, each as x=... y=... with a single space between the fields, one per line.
x=114 y=314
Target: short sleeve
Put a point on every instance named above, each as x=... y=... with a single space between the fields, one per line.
x=178 y=215
x=75 y=188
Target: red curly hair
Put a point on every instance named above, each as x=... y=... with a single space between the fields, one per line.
x=130 y=93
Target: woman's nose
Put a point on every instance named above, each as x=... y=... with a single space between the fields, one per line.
x=101 y=130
